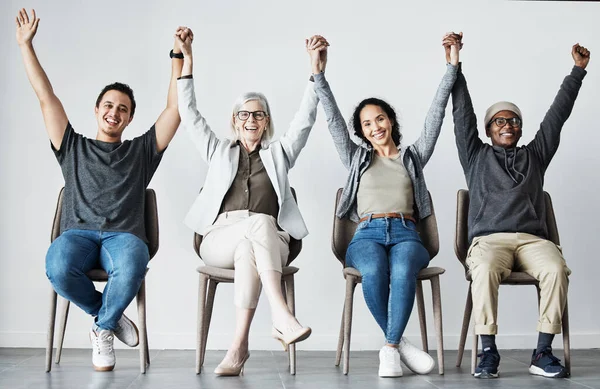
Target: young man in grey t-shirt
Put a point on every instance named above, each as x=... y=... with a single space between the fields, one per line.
x=102 y=220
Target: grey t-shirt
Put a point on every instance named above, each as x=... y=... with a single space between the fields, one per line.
x=105 y=183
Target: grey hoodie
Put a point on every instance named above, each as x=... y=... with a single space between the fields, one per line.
x=506 y=185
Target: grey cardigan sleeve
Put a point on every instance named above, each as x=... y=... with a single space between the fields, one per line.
x=547 y=138
x=425 y=144
x=346 y=148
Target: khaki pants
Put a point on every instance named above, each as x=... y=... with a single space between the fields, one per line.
x=250 y=244
x=491 y=259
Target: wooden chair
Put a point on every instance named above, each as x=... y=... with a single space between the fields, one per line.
x=211 y=277
x=99 y=275
x=343 y=231
x=461 y=247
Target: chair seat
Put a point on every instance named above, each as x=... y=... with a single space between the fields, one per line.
x=515 y=278
x=98 y=275
x=424 y=274
x=226 y=275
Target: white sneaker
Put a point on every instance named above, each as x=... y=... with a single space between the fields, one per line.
x=389 y=362
x=103 y=354
x=127 y=332
x=414 y=358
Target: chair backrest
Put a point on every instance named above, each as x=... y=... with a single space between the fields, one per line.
x=344 y=228
x=150 y=220
x=295 y=244
x=461 y=237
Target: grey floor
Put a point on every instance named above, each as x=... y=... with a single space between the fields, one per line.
x=24 y=368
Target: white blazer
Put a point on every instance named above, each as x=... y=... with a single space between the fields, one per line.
x=222 y=157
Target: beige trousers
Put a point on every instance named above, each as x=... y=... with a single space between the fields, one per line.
x=491 y=259
x=250 y=244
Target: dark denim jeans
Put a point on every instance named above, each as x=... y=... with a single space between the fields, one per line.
x=122 y=255
x=389 y=254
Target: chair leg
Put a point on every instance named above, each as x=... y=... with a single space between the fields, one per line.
x=350 y=286
x=210 y=301
x=50 y=335
x=147 y=350
x=141 y=307
x=63 y=315
x=422 y=317
x=202 y=282
x=474 y=350
x=566 y=338
x=437 y=317
x=465 y=327
x=290 y=298
x=338 y=354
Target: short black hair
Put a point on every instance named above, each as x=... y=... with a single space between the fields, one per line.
x=118 y=86
x=389 y=111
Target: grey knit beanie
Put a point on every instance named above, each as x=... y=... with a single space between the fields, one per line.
x=501 y=106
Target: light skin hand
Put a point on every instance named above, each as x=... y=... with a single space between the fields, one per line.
x=53 y=112
x=183 y=33
x=581 y=55
x=316 y=47
x=452 y=43
x=184 y=38
x=168 y=121
x=26 y=28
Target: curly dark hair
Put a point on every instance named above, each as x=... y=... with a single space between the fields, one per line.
x=118 y=86
x=389 y=111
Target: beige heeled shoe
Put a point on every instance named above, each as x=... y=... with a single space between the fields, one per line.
x=287 y=338
x=228 y=370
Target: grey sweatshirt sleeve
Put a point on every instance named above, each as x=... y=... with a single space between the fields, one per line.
x=465 y=123
x=335 y=121
x=425 y=144
x=547 y=138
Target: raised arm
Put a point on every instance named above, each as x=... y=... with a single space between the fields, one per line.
x=202 y=136
x=295 y=138
x=425 y=144
x=168 y=121
x=53 y=112
x=345 y=147
x=547 y=138
x=468 y=142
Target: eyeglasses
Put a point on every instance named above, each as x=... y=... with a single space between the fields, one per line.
x=245 y=115
x=501 y=122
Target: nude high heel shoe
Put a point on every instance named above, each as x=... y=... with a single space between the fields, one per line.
x=230 y=370
x=288 y=337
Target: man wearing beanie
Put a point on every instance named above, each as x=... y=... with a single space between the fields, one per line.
x=507 y=213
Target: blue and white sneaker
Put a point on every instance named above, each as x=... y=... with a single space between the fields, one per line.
x=547 y=365
x=488 y=364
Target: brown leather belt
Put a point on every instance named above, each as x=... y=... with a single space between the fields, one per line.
x=395 y=215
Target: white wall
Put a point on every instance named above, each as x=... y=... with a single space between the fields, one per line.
x=517 y=51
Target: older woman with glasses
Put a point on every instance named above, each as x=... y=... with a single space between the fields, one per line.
x=246 y=211
x=386 y=194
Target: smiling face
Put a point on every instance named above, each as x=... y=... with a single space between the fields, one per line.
x=113 y=114
x=376 y=125
x=251 y=130
x=506 y=136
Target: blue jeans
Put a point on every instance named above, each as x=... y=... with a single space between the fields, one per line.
x=122 y=255
x=389 y=254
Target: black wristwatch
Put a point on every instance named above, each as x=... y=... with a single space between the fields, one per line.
x=175 y=55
